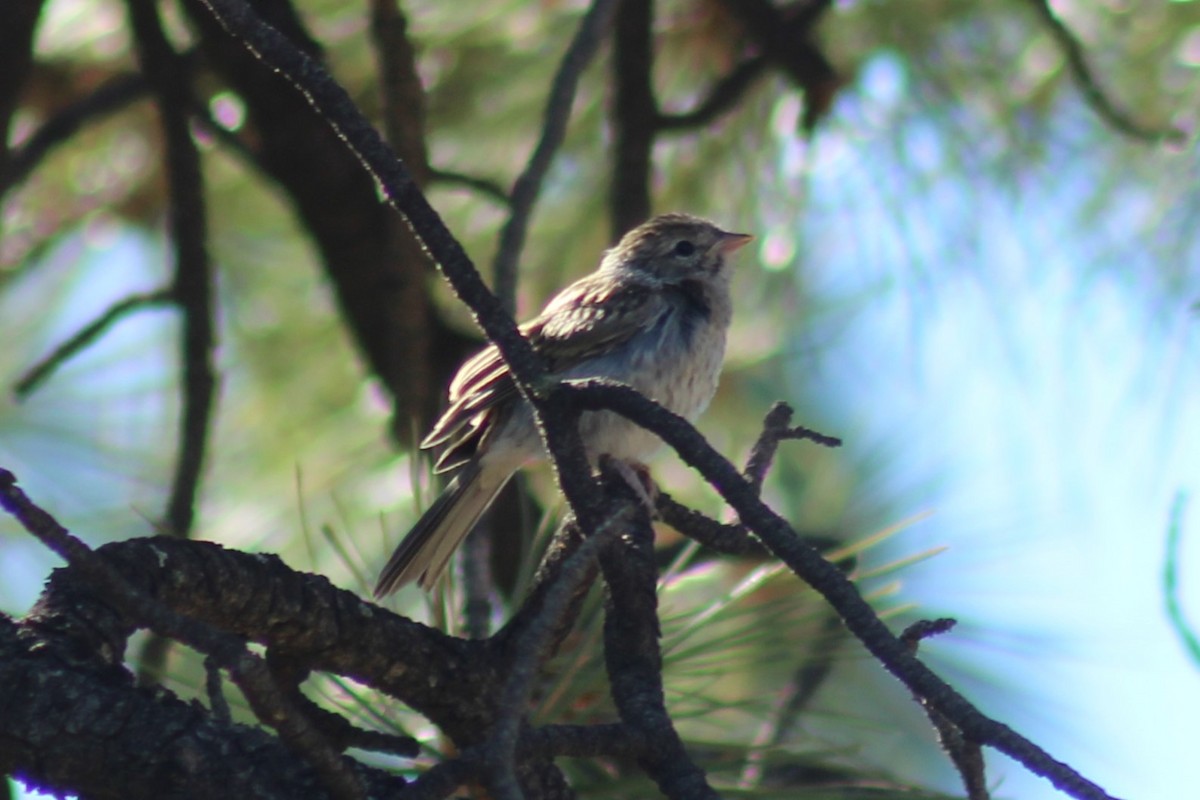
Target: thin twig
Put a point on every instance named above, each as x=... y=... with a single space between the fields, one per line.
x=167 y=74
x=721 y=99
x=88 y=334
x=248 y=671
x=763 y=452
x=554 y=130
x=1093 y=93
x=775 y=430
x=488 y=188
x=723 y=537
x=110 y=97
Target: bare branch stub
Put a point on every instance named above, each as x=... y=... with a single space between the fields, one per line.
x=966 y=754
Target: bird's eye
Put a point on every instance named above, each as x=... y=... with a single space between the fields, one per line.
x=684 y=248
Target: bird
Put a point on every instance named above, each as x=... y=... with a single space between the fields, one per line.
x=653 y=315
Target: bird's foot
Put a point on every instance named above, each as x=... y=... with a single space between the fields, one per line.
x=637 y=476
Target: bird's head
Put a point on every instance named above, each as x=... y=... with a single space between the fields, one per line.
x=673 y=248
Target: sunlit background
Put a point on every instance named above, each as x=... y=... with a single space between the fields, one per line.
x=997 y=315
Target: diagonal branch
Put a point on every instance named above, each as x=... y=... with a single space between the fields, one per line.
x=633 y=657
x=113 y=95
x=721 y=99
x=43 y=369
x=965 y=753
x=531 y=649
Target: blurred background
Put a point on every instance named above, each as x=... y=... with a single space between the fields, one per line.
x=976 y=262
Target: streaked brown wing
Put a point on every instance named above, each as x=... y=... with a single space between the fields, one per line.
x=585 y=320
x=593 y=316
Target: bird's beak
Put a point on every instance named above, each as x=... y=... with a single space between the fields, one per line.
x=733 y=241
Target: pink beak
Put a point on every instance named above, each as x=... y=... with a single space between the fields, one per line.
x=733 y=241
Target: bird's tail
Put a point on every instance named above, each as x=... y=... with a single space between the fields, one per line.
x=427 y=548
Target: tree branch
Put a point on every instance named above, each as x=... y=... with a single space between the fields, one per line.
x=965 y=753
x=111 y=96
x=18 y=23
x=249 y=671
x=43 y=369
x=1093 y=93
x=633 y=657
x=786 y=36
x=635 y=111
x=554 y=130
x=721 y=99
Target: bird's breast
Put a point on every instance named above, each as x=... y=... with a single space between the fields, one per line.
x=675 y=359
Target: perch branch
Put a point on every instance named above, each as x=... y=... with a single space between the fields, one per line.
x=633 y=658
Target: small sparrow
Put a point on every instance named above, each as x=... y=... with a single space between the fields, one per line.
x=653 y=315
